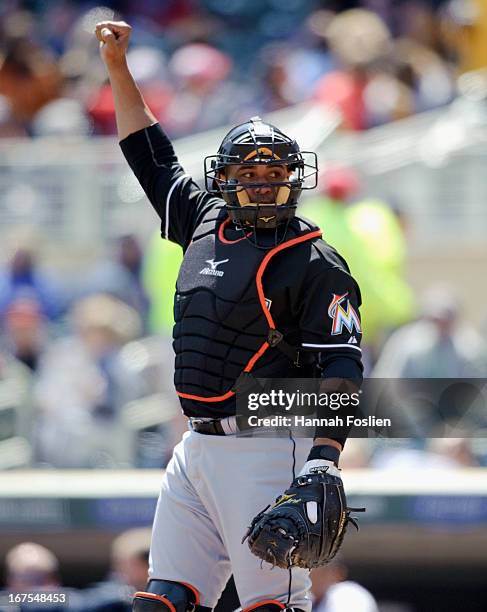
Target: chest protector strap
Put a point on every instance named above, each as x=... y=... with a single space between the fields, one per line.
x=274 y=337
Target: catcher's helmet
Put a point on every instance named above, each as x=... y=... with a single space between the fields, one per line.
x=258 y=143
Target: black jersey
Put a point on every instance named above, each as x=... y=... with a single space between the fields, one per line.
x=309 y=292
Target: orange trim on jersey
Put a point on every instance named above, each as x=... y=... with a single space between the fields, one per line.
x=263 y=265
x=260 y=290
x=257 y=356
x=200 y=398
x=157 y=597
x=221 y=233
x=264 y=603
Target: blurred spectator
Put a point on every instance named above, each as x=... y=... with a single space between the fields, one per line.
x=334 y=593
x=368 y=234
x=286 y=73
x=435 y=454
x=29 y=78
x=168 y=14
x=121 y=276
x=204 y=95
x=456 y=451
x=439 y=345
x=425 y=73
x=29 y=566
x=156 y=418
x=463 y=33
x=279 y=91
x=16 y=422
x=52 y=82
x=130 y=558
x=161 y=267
x=380 y=79
x=357 y=38
x=129 y=570
x=24 y=279
x=60 y=118
x=29 y=74
x=25 y=333
x=83 y=385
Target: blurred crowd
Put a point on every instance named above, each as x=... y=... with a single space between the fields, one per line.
x=206 y=63
x=86 y=363
x=82 y=380
x=32 y=568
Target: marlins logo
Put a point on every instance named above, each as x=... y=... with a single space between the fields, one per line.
x=342 y=317
x=212 y=270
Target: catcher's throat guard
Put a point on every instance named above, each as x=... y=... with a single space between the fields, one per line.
x=256 y=143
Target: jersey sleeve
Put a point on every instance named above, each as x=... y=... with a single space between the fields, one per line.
x=330 y=318
x=177 y=199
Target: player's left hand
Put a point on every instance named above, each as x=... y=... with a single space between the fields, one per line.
x=306 y=525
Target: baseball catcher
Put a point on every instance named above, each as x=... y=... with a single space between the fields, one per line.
x=259 y=294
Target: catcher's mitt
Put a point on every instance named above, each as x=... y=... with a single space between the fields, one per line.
x=305 y=526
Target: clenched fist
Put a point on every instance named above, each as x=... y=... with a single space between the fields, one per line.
x=114 y=39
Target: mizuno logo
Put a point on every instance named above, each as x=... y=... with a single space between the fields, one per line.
x=212 y=270
x=267 y=219
x=214 y=264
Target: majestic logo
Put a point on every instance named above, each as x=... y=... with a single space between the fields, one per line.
x=342 y=317
x=212 y=270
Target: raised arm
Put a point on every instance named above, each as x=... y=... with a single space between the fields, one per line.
x=132 y=112
x=177 y=200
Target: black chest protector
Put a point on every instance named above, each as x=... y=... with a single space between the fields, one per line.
x=223 y=326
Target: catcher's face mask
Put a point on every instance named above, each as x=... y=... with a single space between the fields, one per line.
x=260 y=173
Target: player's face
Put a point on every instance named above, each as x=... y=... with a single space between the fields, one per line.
x=260 y=173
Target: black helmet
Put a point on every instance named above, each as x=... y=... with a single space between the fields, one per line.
x=252 y=143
